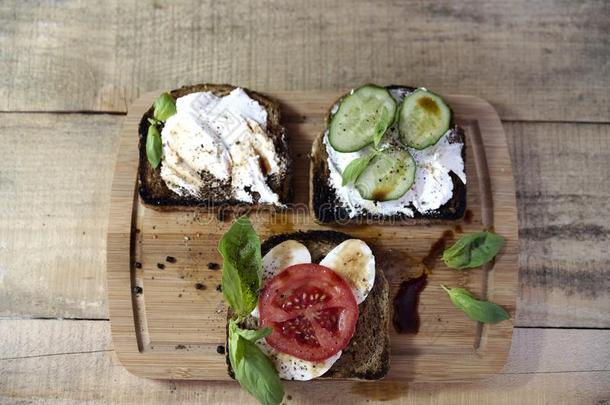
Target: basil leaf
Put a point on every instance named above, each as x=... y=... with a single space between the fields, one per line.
x=381 y=126
x=240 y=248
x=236 y=352
x=355 y=168
x=164 y=106
x=473 y=250
x=477 y=310
x=254 y=371
x=254 y=335
x=153 y=146
x=258 y=376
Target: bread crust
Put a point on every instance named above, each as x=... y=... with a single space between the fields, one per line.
x=155 y=194
x=326 y=208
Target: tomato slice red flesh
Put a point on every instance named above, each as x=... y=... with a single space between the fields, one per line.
x=311 y=309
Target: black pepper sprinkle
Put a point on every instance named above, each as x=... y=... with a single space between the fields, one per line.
x=160 y=266
x=220 y=349
x=219 y=288
x=136 y=290
x=200 y=286
x=170 y=259
x=138 y=265
x=213 y=266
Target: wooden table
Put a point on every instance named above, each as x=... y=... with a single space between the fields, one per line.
x=69 y=69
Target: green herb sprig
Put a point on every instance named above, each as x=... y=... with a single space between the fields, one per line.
x=477 y=310
x=241 y=279
x=382 y=127
x=473 y=250
x=242 y=271
x=355 y=168
x=164 y=107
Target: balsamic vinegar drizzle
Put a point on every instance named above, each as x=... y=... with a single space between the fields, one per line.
x=406 y=317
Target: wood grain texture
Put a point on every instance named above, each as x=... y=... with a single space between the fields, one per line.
x=179 y=307
x=55 y=177
x=534 y=60
x=563 y=192
x=75 y=364
x=563 y=253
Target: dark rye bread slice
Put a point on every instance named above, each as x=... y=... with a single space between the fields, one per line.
x=155 y=193
x=367 y=357
x=327 y=208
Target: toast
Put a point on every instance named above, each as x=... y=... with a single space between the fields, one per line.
x=327 y=208
x=154 y=192
x=367 y=357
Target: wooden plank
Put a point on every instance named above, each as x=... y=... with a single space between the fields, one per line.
x=55 y=180
x=150 y=329
x=563 y=260
x=563 y=192
x=71 y=364
x=534 y=60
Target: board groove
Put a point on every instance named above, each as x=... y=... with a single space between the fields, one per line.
x=172 y=328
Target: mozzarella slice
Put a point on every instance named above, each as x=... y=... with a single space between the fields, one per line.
x=354 y=261
x=285 y=254
x=293 y=368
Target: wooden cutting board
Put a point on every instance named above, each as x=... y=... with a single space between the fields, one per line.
x=172 y=327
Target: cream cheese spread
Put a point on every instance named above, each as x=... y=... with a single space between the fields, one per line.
x=224 y=138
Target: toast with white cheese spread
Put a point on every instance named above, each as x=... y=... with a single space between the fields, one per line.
x=367 y=356
x=224 y=147
x=437 y=192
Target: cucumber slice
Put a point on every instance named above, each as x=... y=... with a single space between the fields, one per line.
x=423 y=119
x=362 y=117
x=387 y=177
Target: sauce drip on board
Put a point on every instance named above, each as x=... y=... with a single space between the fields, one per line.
x=406 y=317
x=436 y=250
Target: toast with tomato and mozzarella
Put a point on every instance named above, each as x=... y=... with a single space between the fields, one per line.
x=327 y=305
x=389 y=154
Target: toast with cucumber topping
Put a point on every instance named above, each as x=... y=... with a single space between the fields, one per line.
x=389 y=154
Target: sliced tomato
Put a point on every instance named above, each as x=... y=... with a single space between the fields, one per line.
x=311 y=309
